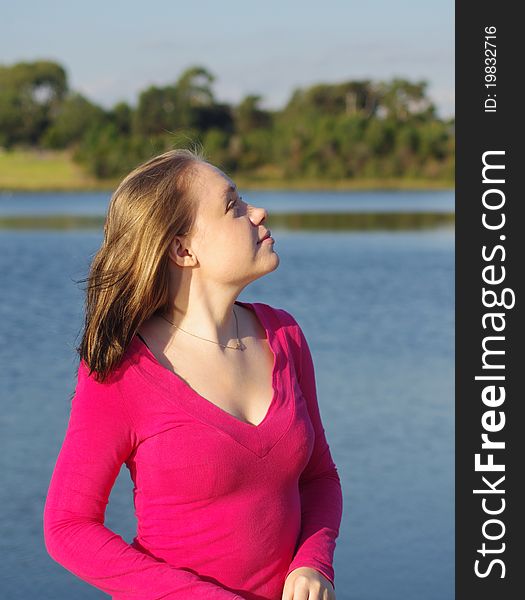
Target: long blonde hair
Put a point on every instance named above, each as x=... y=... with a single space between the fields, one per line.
x=128 y=278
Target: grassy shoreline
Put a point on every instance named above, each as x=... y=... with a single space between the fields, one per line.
x=278 y=221
x=34 y=171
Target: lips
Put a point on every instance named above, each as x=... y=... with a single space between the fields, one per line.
x=267 y=235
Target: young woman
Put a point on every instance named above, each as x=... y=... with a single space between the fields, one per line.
x=209 y=402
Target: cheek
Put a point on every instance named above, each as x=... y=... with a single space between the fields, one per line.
x=222 y=250
x=225 y=257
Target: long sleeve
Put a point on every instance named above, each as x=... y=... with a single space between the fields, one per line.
x=319 y=483
x=100 y=437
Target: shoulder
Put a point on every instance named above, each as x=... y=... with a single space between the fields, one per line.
x=89 y=389
x=107 y=396
x=283 y=321
x=275 y=314
x=98 y=414
x=290 y=330
x=89 y=379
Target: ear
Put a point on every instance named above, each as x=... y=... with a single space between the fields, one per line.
x=181 y=253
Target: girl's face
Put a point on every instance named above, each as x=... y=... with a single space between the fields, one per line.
x=226 y=240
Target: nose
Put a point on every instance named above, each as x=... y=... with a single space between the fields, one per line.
x=258 y=215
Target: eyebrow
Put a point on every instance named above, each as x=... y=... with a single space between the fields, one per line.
x=227 y=192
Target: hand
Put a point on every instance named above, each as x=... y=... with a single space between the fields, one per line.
x=305 y=583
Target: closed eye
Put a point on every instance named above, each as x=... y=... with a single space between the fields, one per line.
x=234 y=203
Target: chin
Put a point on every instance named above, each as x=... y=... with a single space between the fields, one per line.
x=270 y=265
x=273 y=262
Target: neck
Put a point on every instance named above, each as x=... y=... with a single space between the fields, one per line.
x=210 y=316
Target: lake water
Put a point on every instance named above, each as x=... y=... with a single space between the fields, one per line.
x=95 y=203
x=378 y=311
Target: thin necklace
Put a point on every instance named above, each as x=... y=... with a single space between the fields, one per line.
x=238 y=346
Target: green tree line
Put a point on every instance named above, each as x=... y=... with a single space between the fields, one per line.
x=352 y=129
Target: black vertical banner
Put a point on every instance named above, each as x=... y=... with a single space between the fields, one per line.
x=490 y=267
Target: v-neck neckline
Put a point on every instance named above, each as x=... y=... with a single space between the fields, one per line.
x=259 y=438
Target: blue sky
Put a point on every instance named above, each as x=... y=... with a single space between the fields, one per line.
x=113 y=49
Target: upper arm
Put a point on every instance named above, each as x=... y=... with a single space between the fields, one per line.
x=98 y=440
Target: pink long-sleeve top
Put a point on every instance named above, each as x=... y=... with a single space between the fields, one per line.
x=225 y=509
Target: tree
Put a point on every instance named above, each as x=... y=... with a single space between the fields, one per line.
x=121 y=115
x=157 y=111
x=30 y=97
x=188 y=104
x=75 y=116
x=249 y=116
x=194 y=87
x=403 y=99
x=347 y=98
